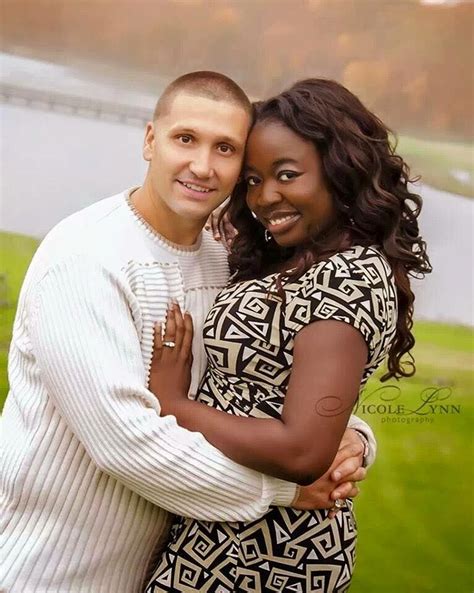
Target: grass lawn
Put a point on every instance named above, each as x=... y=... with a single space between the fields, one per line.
x=415 y=510
x=16 y=252
x=439 y=162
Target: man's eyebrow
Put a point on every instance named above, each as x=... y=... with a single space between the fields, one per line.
x=193 y=132
x=230 y=140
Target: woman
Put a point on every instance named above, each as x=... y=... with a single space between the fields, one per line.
x=320 y=296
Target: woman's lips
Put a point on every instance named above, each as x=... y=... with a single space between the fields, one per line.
x=281 y=224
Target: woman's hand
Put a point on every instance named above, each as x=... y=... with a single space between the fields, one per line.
x=224 y=231
x=170 y=372
x=339 y=482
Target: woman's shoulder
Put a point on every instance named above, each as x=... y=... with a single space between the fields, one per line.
x=360 y=263
x=355 y=286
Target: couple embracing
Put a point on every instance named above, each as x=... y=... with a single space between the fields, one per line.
x=179 y=418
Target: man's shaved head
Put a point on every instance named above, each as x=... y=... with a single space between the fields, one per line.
x=211 y=85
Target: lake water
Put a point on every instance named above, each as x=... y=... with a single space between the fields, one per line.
x=54 y=163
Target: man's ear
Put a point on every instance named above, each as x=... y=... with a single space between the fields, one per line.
x=149 y=141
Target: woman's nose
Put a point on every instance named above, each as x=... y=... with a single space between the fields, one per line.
x=269 y=194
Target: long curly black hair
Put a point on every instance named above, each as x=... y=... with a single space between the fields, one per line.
x=369 y=185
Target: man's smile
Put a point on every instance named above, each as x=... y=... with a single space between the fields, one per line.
x=196 y=186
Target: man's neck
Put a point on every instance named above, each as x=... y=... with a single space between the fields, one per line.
x=165 y=222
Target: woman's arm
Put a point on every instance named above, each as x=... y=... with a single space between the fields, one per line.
x=328 y=362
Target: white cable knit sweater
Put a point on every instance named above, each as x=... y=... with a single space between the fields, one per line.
x=88 y=466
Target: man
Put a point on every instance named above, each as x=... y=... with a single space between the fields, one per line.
x=90 y=465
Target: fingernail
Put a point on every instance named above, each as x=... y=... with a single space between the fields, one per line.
x=337 y=494
x=337 y=475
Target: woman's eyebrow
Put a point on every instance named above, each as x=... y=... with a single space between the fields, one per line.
x=275 y=164
x=283 y=161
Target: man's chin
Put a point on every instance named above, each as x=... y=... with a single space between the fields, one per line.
x=196 y=209
x=194 y=213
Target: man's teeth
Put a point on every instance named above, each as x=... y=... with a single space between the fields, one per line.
x=280 y=220
x=196 y=187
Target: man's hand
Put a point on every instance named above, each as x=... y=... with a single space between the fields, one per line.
x=339 y=481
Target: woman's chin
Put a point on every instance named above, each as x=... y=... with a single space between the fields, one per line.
x=287 y=241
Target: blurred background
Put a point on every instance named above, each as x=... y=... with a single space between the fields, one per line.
x=79 y=79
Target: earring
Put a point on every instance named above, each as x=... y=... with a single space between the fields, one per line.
x=347 y=209
x=253 y=215
x=268 y=236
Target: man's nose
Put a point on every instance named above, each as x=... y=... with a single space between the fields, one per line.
x=201 y=165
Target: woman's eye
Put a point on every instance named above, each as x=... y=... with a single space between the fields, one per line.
x=287 y=175
x=252 y=181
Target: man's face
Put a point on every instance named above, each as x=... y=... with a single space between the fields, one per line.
x=195 y=151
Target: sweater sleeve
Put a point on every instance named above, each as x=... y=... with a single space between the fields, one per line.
x=88 y=353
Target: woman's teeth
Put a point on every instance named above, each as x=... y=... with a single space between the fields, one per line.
x=274 y=221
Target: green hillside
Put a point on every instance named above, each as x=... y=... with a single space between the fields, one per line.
x=445 y=165
x=16 y=252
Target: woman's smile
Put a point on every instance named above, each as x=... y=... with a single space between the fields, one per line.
x=288 y=194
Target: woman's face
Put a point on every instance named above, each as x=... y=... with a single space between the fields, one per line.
x=285 y=184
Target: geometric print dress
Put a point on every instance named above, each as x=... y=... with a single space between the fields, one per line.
x=249 y=337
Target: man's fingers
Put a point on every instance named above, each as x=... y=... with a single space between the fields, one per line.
x=348 y=459
x=344 y=490
x=345 y=469
x=359 y=475
x=355 y=491
x=341 y=491
x=351 y=450
x=347 y=451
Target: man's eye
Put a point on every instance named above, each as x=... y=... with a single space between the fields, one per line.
x=252 y=181
x=225 y=149
x=184 y=138
x=287 y=175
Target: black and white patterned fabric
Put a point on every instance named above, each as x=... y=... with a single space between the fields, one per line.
x=249 y=337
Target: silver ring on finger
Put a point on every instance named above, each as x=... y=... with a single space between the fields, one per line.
x=339 y=504
x=169 y=344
